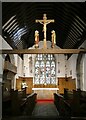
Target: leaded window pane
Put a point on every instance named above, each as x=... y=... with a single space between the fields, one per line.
x=36 y=80
x=45 y=71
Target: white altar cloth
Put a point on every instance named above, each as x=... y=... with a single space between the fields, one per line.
x=45 y=93
x=45 y=88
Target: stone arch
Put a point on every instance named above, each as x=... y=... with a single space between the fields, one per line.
x=12 y=59
x=78 y=69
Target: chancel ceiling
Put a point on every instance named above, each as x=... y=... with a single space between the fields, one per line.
x=18 y=23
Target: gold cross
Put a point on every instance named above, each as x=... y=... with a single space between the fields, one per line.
x=44 y=22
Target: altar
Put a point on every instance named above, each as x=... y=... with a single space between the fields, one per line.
x=45 y=93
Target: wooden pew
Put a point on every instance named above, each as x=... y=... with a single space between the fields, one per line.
x=73 y=98
x=15 y=106
x=78 y=104
x=77 y=101
x=30 y=104
x=22 y=104
x=62 y=106
x=68 y=95
x=16 y=103
x=6 y=103
x=11 y=103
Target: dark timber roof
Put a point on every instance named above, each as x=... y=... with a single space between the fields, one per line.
x=18 y=23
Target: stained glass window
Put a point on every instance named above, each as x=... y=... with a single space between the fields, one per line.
x=45 y=69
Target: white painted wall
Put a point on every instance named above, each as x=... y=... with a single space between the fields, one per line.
x=29 y=65
x=4 y=44
x=72 y=66
x=15 y=59
x=26 y=65
x=84 y=87
x=19 y=66
x=61 y=65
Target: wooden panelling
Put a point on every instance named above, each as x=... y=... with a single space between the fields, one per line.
x=62 y=83
x=69 y=84
x=29 y=82
x=44 y=86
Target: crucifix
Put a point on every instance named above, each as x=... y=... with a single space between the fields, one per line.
x=44 y=22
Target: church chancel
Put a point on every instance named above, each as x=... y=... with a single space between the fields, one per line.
x=45 y=83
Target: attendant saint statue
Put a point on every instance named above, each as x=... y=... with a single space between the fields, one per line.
x=53 y=38
x=36 y=39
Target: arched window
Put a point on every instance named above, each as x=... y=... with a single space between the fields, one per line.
x=45 y=69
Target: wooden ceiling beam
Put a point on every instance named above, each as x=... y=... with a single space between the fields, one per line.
x=43 y=51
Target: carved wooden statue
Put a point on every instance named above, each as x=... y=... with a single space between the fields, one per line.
x=36 y=39
x=53 y=38
x=44 y=22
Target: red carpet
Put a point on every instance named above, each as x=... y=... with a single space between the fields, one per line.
x=45 y=100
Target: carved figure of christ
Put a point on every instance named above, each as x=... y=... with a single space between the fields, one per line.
x=44 y=22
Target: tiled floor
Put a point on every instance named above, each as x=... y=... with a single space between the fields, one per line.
x=45 y=109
